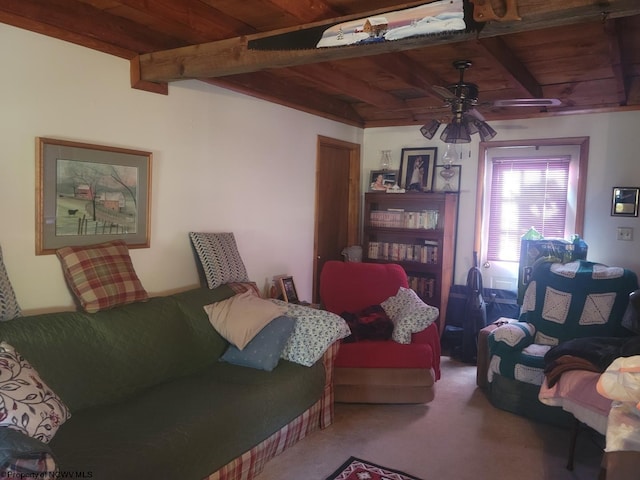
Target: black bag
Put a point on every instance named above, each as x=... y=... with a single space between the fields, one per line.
x=475 y=314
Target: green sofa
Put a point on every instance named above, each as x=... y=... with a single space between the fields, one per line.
x=149 y=398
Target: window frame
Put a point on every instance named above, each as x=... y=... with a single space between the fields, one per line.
x=580 y=183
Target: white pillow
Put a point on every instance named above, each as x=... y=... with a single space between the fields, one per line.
x=240 y=318
x=315 y=330
x=27 y=404
x=409 y=314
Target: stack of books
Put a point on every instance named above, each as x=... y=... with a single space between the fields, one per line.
x=402 y=252
x=398 y=218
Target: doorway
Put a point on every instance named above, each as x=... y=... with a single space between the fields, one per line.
x=499 y=252
x=337 y=222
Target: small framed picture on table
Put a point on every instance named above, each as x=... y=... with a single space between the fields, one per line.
x=288 y=289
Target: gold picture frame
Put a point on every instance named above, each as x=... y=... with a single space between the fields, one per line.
x=625 y=201
x=88 y=194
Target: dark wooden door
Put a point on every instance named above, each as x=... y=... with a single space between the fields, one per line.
x=337 y=202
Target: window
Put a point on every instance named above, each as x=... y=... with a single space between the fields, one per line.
x=539 y=183
x=525 y=192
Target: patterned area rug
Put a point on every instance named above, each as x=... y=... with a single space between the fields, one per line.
x=356 y=469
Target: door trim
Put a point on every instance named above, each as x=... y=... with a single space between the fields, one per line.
x=353 y=226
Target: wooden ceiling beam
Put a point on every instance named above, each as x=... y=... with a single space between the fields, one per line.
x=233 y=56
x=195 y=15
x=306 y=10
x=617 y=64
x=268 y=87
x=329 y=77
x=65 y=19
x=512 y=67
x=410 y=72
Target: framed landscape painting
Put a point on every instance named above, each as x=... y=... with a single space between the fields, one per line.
x=88 y=194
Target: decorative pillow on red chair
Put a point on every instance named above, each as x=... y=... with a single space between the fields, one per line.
x=370 y=323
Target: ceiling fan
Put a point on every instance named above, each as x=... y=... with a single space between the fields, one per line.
x=462 y=98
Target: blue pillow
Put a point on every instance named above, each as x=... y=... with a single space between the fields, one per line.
x=263 y=351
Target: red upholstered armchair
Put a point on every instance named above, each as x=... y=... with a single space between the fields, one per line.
x=378 y=371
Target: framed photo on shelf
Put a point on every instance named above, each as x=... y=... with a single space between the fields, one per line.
x=91 y=194
x=447 y=178
x=382 y=180
x=625 y=201
x=416 y=168
x=288 y=289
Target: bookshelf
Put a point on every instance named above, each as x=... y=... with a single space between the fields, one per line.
x=417 y=231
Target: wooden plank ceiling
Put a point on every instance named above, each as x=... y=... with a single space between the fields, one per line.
x=586 y=53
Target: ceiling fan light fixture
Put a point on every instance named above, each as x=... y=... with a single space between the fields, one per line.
x=428 y=130
x=456 y=133
x=471 y=121
x=485 y=131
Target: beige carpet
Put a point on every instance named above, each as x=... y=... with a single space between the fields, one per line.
x=458 y=436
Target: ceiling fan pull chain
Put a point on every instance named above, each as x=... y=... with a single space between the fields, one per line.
x=483 y=11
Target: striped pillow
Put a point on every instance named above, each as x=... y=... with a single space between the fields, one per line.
x=9 y=307
x=219 y=258
x=101 y=276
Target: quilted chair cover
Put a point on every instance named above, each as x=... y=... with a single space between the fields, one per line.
x=563 y=301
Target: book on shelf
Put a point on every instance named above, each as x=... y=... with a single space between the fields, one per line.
x=398 y=218
x=425 y=287
x=402 y=252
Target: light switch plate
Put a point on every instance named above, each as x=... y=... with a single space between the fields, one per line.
x=625 y=233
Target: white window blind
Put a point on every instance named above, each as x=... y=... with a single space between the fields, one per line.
x=526 y=192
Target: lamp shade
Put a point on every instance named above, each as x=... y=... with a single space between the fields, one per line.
x=485 y=131
x=428 y=130
x=456 y=133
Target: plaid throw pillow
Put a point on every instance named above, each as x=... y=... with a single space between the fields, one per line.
x=101 y=276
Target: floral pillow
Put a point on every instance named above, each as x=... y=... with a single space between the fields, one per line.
x=315 y=330
x=27 y=404
x=409 y=314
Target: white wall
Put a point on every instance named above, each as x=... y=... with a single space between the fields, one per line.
x=227 y=162
x=613 y=161
x=221 y=162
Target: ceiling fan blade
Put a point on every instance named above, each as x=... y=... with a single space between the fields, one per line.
x=528 y=102
x=443 y=92
x=474 y=112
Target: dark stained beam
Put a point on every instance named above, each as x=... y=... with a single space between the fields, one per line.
x=84 y=25
x=268 y=87
x=512 y=67
x=617 y=64
x=350 y=85
x=194 y=16
x=307 y=10
x=233 y=56
x=410 y=73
